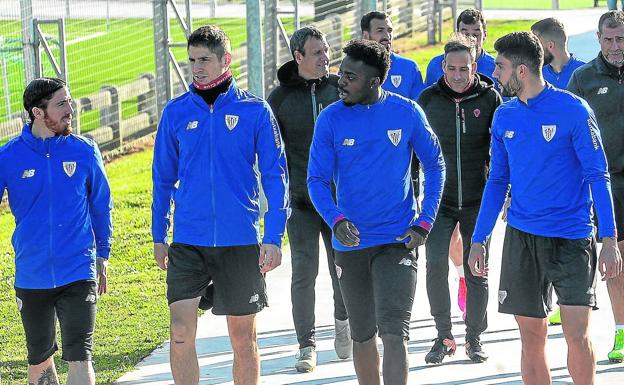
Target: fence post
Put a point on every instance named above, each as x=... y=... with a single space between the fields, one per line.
x=271 y=42
x=431 y=21
x=111 y=116
x=28 y=42
x=161 y=54
x=555 y=4
x=255 y=61
x=147 y=101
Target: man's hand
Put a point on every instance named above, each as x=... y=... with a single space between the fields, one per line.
x=476 y=260
x=270 y=257
x=610 y=260
x=346 y=233
x=102 y=268
x=161 y=255
x=417 y=238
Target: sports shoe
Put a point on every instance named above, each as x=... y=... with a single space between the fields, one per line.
x=555 y=318
x=342 y=341
x=617 y=353
x=441 y=348
x=474 y=350
x=306 y=359
x=461 y=296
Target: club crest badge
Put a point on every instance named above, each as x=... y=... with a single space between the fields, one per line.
x=69 y=168
x=476 y=112
x=502 y=296
x=395 y=136
x=549 y=131
x=396 y=80
x=231 y=121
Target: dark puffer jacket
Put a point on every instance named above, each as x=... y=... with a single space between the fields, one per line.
x=462 y=123
x=296 y=103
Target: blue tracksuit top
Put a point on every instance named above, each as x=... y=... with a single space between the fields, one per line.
x=204 y=160
x=60 y=198
x=561 y=79
x=404 y=77
x=485 y=66
x=551 y=153
x=366 y=151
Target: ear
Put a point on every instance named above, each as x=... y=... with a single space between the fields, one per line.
x=365 y=35
x=375 y=82
x=598 y=35
x=523 y=71
x=298 y=57
x=473 y=66
x=551 y=45
x=38 y=113
x=228 y=59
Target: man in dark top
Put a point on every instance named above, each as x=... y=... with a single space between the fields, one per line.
x=306 y=87
x=601 y=83
x=459 y=108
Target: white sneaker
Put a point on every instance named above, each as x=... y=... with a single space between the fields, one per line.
x=306 y=359
x=342 y=342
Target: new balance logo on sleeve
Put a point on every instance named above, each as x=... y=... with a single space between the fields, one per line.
x=348 y=142
x=509 y=134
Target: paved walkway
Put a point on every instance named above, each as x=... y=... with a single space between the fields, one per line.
x=278 y=343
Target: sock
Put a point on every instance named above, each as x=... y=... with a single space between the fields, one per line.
x=460 y=271
x=618 y=328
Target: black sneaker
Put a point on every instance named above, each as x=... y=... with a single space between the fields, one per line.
x=441 y=348
x=474 y=351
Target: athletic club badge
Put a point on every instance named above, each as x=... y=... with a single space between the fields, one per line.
x=476 y=112
x=395 y=136
x=396 y=80
x=549 y=131
x=69 y=168
x=231 y=121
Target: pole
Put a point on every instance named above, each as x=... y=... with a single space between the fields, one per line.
x=255 y=62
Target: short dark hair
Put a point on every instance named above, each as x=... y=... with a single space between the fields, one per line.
x=460 y=42
x=300 y=36
x=522 y=48
x=551 y=29
x=366 y=19
x=471 y=16
x=39 y=92
x=371 y=53
x=211 y=37
x=611 y=19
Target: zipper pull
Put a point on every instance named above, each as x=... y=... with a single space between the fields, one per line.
x=48 y=155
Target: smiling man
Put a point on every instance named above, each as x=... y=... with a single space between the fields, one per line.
x=364 y=144
x=601 y=83
x=207 y=143
x=60 y=197
x=459 y=108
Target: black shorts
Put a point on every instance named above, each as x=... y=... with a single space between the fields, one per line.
x=74 y=304
x=532 y=266
x=378 y=285
x=228 y=279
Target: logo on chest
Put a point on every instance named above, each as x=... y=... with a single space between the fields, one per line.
x=192 y=125
x=396 y=80
x=231 y=121
x=69 y=168
x=549 y=131
x=395 y=136
x=28 y=173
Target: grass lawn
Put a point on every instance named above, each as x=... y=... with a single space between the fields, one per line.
x=538 y=4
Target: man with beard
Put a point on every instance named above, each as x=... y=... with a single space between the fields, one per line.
x=459 y=107
x=364 y=144
x=207 y=143
x=306 y=87
x=559 y=64
x=546 y=144
x=60 y=197
x=601 y=83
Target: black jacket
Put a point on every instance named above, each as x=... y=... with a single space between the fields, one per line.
x=602 y=86
x=462 y=123
x=296 y=103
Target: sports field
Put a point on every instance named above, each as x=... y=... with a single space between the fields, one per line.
x=133 y=317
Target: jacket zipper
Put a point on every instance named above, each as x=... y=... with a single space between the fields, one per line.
x=458 y=149
x=51 y=227
x=313 y=96
x=214 y=212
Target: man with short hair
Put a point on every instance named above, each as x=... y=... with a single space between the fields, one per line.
x=60 y=197
x=306 y=88
x=459 y=108
x=546 y=144
x=364 y=144
x=207 y=143
x=601 y=83
x=559 y=64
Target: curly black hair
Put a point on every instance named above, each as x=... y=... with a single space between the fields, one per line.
x=371 y=53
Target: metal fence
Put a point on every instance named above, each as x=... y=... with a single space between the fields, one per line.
x=123 y=59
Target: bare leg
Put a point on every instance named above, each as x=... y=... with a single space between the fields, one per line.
x=184 y=365
x=395 y=362
x=366 y=362
x=581 y=360
x=533 y=333
x=81 y=373
x=43 y=373
x=616 y=293
x=456 y=248
x=242 y=331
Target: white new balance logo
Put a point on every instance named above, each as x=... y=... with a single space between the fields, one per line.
x=91 y=298
x=406 y=262
x=28 y=173
x=254 y=298
x=192 y=125
x=348 y=142
x=602 y=90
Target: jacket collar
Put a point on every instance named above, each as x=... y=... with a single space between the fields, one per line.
x=288 y=76
x=232 y=93
x=39 y=145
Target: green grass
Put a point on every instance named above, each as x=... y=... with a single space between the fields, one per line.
x=536 y=4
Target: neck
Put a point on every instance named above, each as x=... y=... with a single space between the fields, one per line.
x=306 y=76
x=39 y=130
x=373 y=97
x=478 y=53
x=560 y=60
x=531 y=88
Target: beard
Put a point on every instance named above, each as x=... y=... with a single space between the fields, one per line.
x=513 y=86
x=548 y=57
x=615 y=58
x=59 y=127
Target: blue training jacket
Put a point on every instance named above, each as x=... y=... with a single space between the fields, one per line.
x=561 y=79
x=485 y=66
x=550 y=151
x=404 y=77
x=366 y=150
x=61 y=201
x=204 y=162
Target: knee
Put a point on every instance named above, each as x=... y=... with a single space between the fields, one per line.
x=243 y=340
x=181 y=332
x=394 y=342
